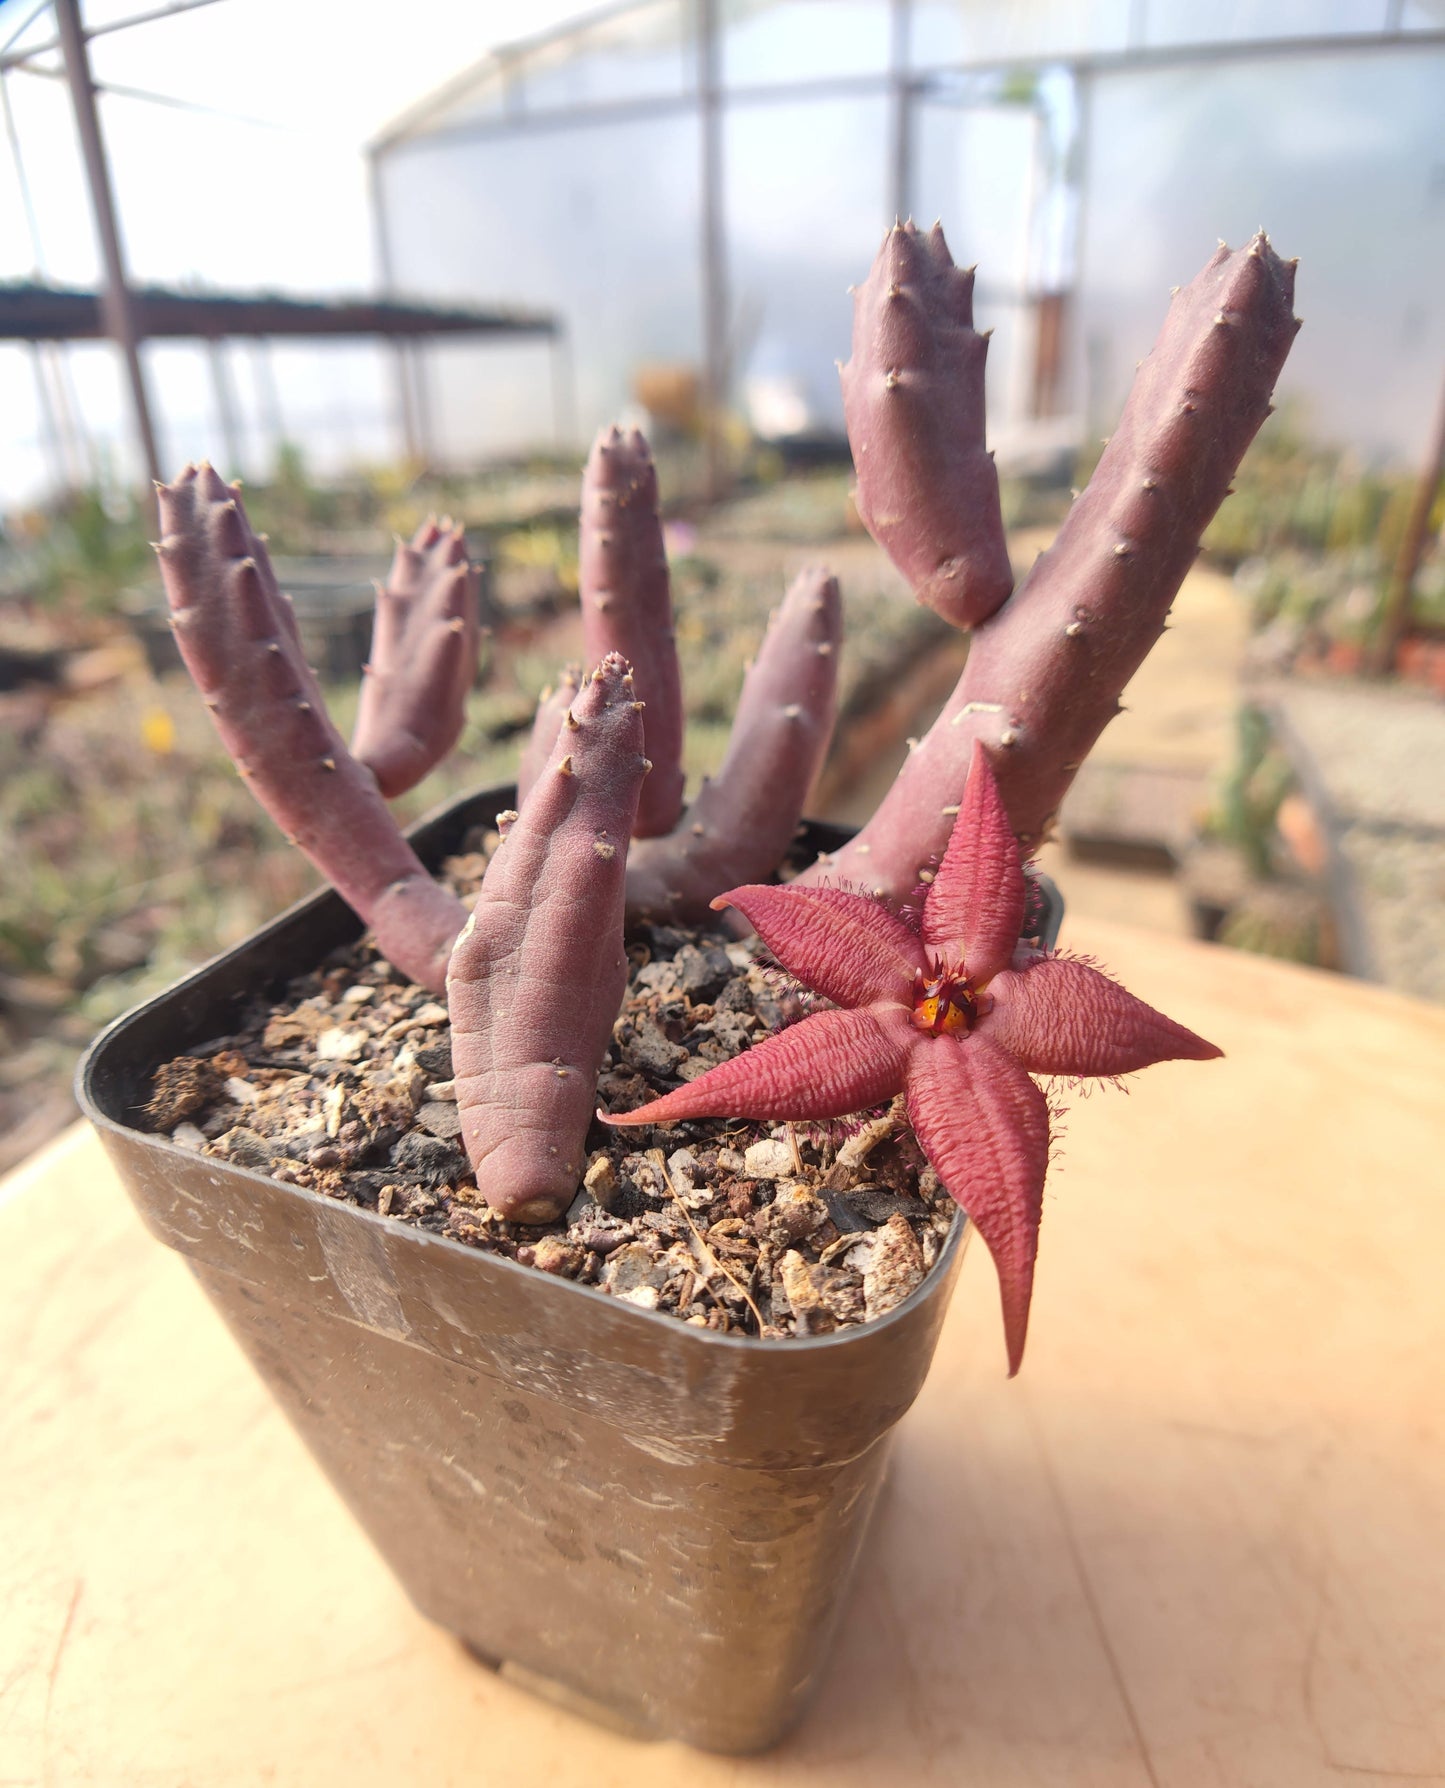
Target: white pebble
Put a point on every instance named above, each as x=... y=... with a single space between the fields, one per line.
x=333 y=1103
x=768 y=1160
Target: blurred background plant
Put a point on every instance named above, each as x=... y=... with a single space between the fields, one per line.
x=133 y=852
x=1084 y=157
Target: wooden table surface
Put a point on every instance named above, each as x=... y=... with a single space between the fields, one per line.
x=1200 y=1541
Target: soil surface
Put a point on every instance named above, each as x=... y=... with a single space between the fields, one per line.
x=345 y=1086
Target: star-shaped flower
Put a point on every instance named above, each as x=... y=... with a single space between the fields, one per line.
x=953 y=1013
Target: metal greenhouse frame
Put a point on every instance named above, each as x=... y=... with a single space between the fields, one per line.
x=491 y=101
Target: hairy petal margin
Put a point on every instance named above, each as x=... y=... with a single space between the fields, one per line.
x=985 y=1126
x=829 y=1065
x=975 y=906
x=850 y=949
x=1063 y=1017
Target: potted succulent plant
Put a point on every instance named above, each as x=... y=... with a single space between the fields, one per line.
x=659 y=1512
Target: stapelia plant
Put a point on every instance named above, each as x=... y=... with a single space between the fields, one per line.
x=1046 y=665
x=913 y=401
x=528 y=1029
x=948 y=1010
x=741 y=821
x=941 y=1006
x=534 y=974
x=423 y=659
x=237 y=634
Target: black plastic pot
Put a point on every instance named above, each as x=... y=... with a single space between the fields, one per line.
x=659 y=1522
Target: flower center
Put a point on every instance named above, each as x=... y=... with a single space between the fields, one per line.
x=944 y=1004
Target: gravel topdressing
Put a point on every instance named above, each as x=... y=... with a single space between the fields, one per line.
x=344 y=1086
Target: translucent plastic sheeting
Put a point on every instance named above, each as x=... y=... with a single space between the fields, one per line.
x=242 y=203
x=949 y=32
x=1171 y=22
x=647 y=52
x=765 y=41
x=976 y=169
x=335 y=399
x=46 y=127
x=1338 y=156
x=806 y=207
x=954 y=31
x=596 y=222
x=644 y=52
x=479 y=97
x=92 y=381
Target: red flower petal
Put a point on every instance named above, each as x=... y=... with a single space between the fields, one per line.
x=848 y=948
x=984 y=1125
x=827 y=1066
x=1062 y=1017
x=975 y=907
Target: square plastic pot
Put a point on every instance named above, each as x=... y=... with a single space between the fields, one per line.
x=656 y=1523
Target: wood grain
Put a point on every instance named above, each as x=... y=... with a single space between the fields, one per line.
x=1200 y=1542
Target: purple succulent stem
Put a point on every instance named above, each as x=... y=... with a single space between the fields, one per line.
x=627 y=607
x=424 y=645
x=237 y=634
x=538 y=973
x=1044 y=674
x=740 y=825
x=552 y=706
x=914 y=403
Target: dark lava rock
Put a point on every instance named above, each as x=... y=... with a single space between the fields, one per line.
x=434 y=1161
x=649 y=1052
x=703 y=971
x=435 y=1060
x=440 y=1118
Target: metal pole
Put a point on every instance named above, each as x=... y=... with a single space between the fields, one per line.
x=268 y=396
x=116 y=298
x=406 y=404
x=225 y=395
x=49 y=415
x=421 y=397
x=713 y=251
x=49 y=423
x=22 y=180
x=72 y=420
x=1019 y=379
x=1071 y=282
x=564 y=392
x=901 y=166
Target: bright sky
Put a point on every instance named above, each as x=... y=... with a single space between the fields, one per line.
x=278 y=200
x=268 y=192
x=1339 y=154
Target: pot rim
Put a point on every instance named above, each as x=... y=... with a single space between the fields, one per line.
x=408 y=1234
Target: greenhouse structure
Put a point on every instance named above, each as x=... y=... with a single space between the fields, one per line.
x=691 y=185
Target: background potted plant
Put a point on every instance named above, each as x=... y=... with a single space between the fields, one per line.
x=660 y=1518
